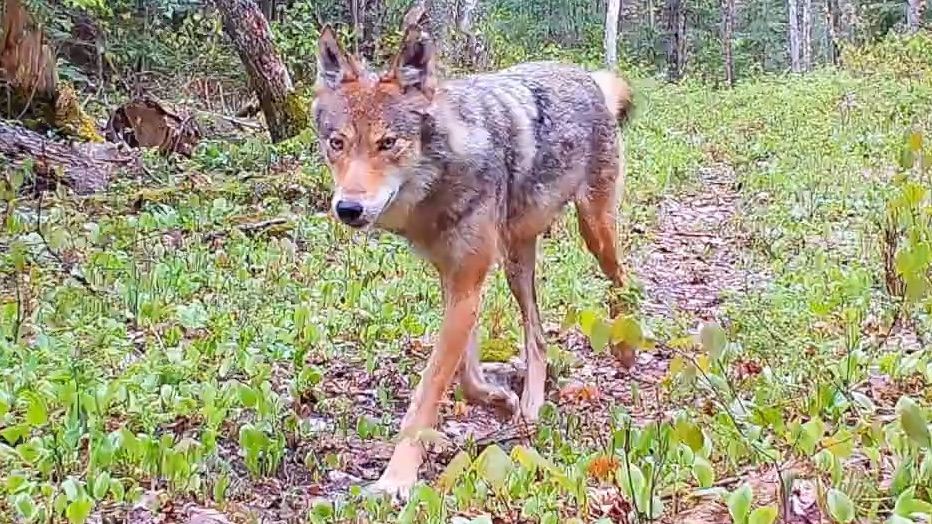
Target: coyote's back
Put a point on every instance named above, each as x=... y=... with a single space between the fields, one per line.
x=526 y=139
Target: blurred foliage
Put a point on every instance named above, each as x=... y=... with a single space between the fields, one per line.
x=175 y=42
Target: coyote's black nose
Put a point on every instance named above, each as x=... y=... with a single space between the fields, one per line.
x=349 y=211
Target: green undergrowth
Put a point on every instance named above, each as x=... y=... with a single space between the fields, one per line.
x=187 y=335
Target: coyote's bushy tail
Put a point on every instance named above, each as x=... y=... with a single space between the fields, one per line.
x=618 y=94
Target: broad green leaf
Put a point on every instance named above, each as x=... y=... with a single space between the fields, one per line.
x=36 y=412
x=739 y=503
x=117 y=490
x=494 y=465
x=601 y=334
x=71 y=488
x=587 y=319
x=627 y=329
x=713 y=339
x=763 y=515
x=690 y=434
x=907 y=504
x=101 y=485
x=840 y=506
x=79 y=510
x=531 y=460
x=453 y=471
x=841 y=444
x=25 y=506
x=248 y=396
x=569 y=319
x=812 y=432
x=703 y=472
x=914 y=424
x=915 y=141
x=631 y=480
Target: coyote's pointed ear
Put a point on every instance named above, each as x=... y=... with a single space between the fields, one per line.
x=334 y=67
x=414 y=66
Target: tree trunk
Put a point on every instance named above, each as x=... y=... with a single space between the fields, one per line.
x=795 y=63
x=611 y=34
x=806 y=39
x=86 y=167
x=833 y=30
x=437 y=17
x=285 y=113
x=651 y=22
x=469 y=46
x=914 y=13
x=29 y=84
x=268 y=9
x=728 y=23
x=676 y=39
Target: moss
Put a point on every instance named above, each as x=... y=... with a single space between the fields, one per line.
x=497 y=350
x=64 y=114
x=297 y=117
x=71 y=118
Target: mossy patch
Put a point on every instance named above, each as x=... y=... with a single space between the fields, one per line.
x=497 y=350
x=71 y=118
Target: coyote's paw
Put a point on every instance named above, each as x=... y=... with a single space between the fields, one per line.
x=503 y=402
x=395 y=486
x=530 y=406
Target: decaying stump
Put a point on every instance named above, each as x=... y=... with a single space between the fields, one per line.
x=29 y=86
x=144 y=122
x=86 y=167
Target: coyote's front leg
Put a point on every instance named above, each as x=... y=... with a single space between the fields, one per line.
x=478 y=390
x=462 y=288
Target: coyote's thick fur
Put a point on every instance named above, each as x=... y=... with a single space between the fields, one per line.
x=471 y=171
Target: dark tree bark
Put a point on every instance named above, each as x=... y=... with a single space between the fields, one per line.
x=29 y=84
x=86 y=167
x=728 y=23
x=833 y=30
x=248 y=30
x=676 y=39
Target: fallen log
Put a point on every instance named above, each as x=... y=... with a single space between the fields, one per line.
x=86 y=167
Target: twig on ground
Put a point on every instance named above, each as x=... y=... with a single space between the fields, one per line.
x=249 y=228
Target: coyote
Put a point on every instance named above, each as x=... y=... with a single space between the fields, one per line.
x=471 y=171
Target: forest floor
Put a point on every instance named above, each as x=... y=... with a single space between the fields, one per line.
x=205 y=371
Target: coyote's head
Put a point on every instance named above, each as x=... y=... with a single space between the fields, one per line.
x=369 y=124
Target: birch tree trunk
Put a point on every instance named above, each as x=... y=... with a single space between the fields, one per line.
x=806 y=40
x=728 y=22
x=611 y=34
x=914 y=13
x=795 y=64
x=248 y=31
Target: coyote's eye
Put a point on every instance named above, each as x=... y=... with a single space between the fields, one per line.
x=336 y=143
x=386 y=143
